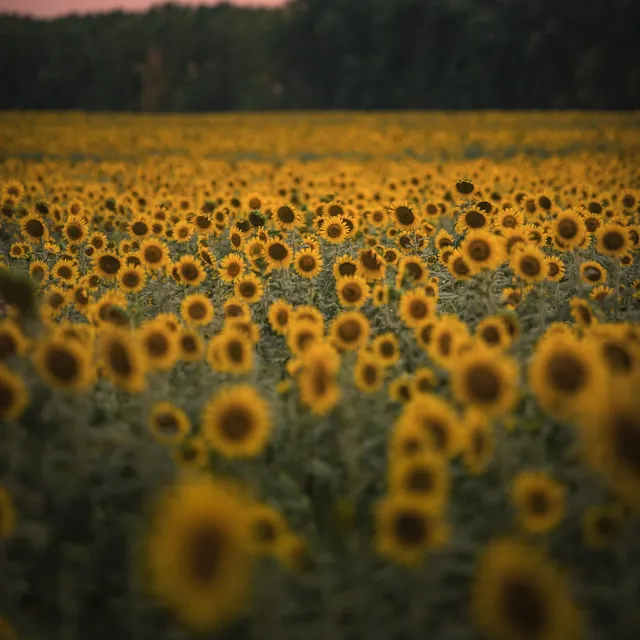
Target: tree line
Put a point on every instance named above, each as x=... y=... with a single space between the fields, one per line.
x=328 y=54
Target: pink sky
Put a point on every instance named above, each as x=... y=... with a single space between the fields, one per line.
x=53 y=8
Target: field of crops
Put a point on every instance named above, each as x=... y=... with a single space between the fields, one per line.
x=325 y=376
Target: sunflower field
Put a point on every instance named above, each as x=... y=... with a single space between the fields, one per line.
x=320 y=376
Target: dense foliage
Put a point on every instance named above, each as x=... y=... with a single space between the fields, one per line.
x=328 y=54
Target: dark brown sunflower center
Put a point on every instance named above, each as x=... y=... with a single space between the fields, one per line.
x=62 y=365
x=625 y=432
x=410 y=528
x=307 y=263
x=278 y=252
x=617 y=357
x=479 y=250
x=538 y=503
x=371 y=261
x=236 y=424
x=286 y=215
x=35 y=228
x=613 y=240
x=153 y=254
x=7 y=397
x=475 y=219
x=235 y=351
x=189 y=271
x=420 y=480
x=140 y=228
x=131 y=279
x=205 y=552
x=530 y=266
x=405 y=216
x=351 y=292
x=566 y=373
x=157 y=344
x=119 y=359
x=592 y=274
x=8 y=346
x=483 y=384
x=109 y=264
x=567 y=229
x=370 y=374
x=459 y=267
x=197 y=310
x=349 y=331
x=334 y=230
x=524 y=607
x=418 y=309
x=347 y=269
x=167 y=424
x=437 y=431
x=491 y=335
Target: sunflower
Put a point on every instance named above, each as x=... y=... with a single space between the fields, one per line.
x=350 y=330
x=485 y=381
x=443 y=338
x=411 y=271
x=386 y=348
x=268 y=529
x=14 y=397
x=169 y=424
x=7 y=518
x=353 y=291
x=424 y=380
x=191 y=345
x=612 y=240
x=371 y=265
x=64 y=364
x=182 y=231
x=159 y=344
x=132 y=279
x=248 y=288
x=424 y=476
x=539 y=501
x=482 y=249
x=107 y=264
x=582 y=313
x=345 y=266
x=235 y=308
x=620 y=355
x=76 y=231
x=472 y=220
x=34 y=229
x=566 y=374
x=334 y=230
x=368 y=373
x=416 y=308
x=12 y=340
x=196 y=310
x=308 y=263
x=611 y=436
x=406 y=529
x=380 y=295
x=403 y=215
x=122 y=359
x=458 y=266
x=319 y=389
x=232 y=350
x=493 y=332
x=237 y=239
x=519 y=594
x=190 y=271
x=278 y=255
x=66 y=271
x=98 y=240
x=478 y=441
x=508 y=218
x=236 y=422
x=437 y=420
x=302 y=334
x=140 y=226
x=39 y=271
x=285 y=216
x=601 y=525
x=154 y=254
x=592 y=273
x=554 y=268
x=528 y=263
x=401 y=389
x=569 y=229
x=279 y=316
x=199 y=552
x=231 y=267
